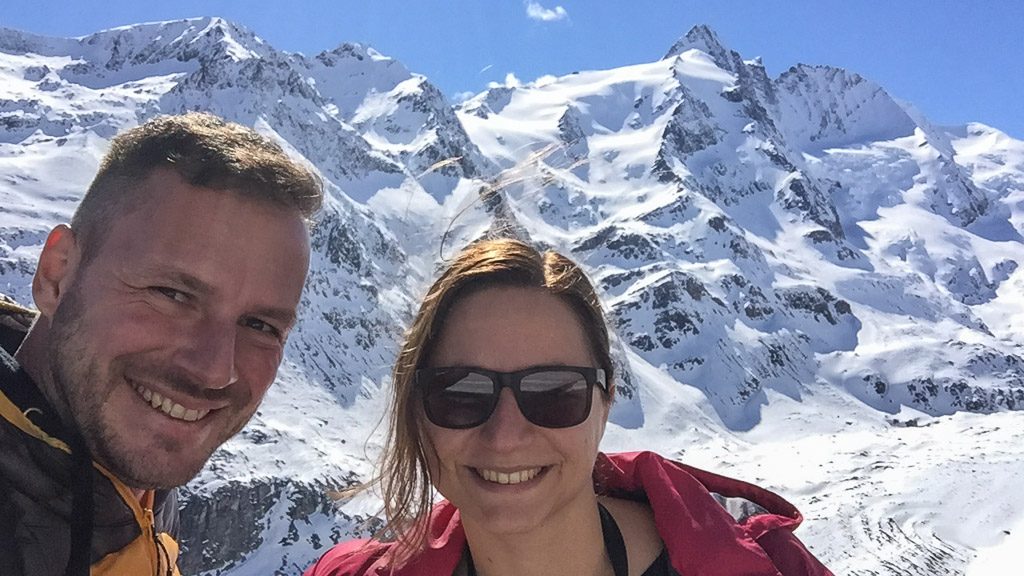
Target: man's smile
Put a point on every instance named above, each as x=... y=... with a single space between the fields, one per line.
x=168 y=406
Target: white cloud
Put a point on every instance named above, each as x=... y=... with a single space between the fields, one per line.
x=510 y=82
x=461 y=97
x=485 y=68
x=545 y=80
x=535 y=11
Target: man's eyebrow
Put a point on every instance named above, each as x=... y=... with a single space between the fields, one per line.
x=157 y=274
x=192 y=283
x=283 y=315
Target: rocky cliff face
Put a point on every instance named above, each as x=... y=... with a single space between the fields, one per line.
x=751 y=237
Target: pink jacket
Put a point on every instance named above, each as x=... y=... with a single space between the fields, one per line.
x=702 y=537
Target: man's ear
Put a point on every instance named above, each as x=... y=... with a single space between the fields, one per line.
x=57 y=265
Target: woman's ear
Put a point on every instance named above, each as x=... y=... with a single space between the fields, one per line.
x=57 y=264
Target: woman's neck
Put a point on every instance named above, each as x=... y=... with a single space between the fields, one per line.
x=570 y=544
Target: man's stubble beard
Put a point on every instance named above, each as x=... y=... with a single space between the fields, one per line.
x=82 y=389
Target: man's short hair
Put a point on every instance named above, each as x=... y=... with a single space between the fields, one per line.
x=204 y=151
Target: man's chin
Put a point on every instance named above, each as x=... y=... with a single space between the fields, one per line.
x=158 y=453
x=151 y=469
x=157 y=478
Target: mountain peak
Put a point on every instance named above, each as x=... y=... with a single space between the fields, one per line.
x=357 y=51
x=826 y=106
x=700 y=37
x=217 y=21
x=193 y=36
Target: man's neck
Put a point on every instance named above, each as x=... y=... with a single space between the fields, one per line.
x=31 y=356
x=34 y=358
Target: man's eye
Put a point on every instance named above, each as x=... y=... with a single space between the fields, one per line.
x=176 y=295
x=261 y=326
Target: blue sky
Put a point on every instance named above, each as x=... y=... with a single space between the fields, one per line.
x=956 y=61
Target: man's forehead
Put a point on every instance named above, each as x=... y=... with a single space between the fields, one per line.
x=166 y=197
x=207 y=238
x=161 y=184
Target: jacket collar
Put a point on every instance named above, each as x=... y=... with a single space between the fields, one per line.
x=23 y=393
x=698 y=532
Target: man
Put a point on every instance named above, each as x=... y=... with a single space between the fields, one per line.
x=163 y=314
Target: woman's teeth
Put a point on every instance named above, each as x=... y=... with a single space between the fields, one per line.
x=508 y=477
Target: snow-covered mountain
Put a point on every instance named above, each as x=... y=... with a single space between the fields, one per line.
x=812 y=286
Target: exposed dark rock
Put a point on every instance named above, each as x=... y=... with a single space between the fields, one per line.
x=800 y=197
x=618 y=279
x=628 y=245
x=717 y=223
x=820 y=303
x=930 y=395
x=222 y=528
x=667 y=293
x=820 y=236
x=746 y=297
x=671 y=323
x=642 y=342
x=679 y=210
x=877 y=384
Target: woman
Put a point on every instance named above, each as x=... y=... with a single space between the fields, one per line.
x=501 y=395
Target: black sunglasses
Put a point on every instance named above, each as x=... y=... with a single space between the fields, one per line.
x=548 y=396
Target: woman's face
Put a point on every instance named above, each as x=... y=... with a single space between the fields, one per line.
x=508 y=475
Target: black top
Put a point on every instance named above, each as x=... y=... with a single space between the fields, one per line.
x=661 y=566
x=616 y=549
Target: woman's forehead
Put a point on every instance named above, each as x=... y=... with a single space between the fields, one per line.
x=509 y=328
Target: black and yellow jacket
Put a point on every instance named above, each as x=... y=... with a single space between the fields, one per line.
x=37 y=482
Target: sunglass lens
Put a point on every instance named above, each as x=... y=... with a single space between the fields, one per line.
x=459 y=399
x=555 y=398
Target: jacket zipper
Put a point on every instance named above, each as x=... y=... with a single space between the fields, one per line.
x=162 y=558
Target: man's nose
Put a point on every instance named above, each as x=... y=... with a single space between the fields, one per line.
x=208 y=354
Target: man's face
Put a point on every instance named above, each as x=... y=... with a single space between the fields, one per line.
x=164 y=343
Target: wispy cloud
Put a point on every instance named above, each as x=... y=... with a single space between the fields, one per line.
x=485 y=68
x=535 y=11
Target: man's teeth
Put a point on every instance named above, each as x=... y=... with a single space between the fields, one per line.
x=168 y=406
x=509 y=477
